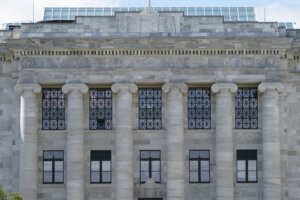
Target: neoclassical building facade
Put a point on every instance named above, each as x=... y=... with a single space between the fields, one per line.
x=150 y=105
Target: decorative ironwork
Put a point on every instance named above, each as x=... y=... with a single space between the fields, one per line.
x=246 y=109
x=53 y=109
x=199 y=114
x=150 y=109
x=100 y=109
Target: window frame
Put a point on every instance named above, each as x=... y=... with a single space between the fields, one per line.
x=235 y=108
x=104 y=107
x=150 y=165
x=53 y=167
x=188 y=108
x=246 y=167
x=57 y=88
x=139 y=109
x=100 y=169
x=199 y=167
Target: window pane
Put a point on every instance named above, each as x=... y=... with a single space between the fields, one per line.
x=145 y=154
x=252 y=165
x=155 y=154
x=205 y=165
x=194 y=165
x=241 y=165
x=48 y=154
x=95 y=165
x=204 y=176
x=241 y=176
x=59 y=177
x=105 y=177
x=59 y=166
x=155 y=166
x=252 y=176
x=194 y=154
x=194 y=176
x=144 y=165
x=156 y=176
x=144 y=176
x=47 y=165
x=47 y=177
x=204 y=154
x=59 y=155
x=105 y=165
x=95 y=177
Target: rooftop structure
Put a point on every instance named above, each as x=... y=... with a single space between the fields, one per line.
x=229 y=13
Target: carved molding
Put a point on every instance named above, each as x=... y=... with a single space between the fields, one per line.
x=182 y=87
x=115 y=88
x=83 y=88
x=232 y=87
x=36 y=88
x=271 y=86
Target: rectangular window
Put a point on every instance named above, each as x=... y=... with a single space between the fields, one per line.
x=100 y=167
x=246 y=108
x=246 y=166
x=53 y=109
x=199 y=108
x=199 y=166
x=53 y=167
x=100 y=109
x=150 y=109
x=150 y=166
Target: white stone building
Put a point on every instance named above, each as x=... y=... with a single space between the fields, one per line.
x=150 y=105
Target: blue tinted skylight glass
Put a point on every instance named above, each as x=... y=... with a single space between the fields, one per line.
x=131 y=9
x=48 y=12
x=158 y=9
x=73 y=13
x=225 y=11
x=250 y=11
x=289 y=25
x=226 y=18
x=99 y=11
x=233 y=11
x=65 y=13
x=90 y=11
x=217 y=11
x=82 y=12
x=200 y=11
x=191 y=11
x=167 y=9
x=183 y=9
x=208 y=11
x=251 y=18
x=140 y=9
x=123 y=9
x=242 y=11
x=234 y=18
x=243 y=18
x=174 y=9
x=56 y=13
x=107 y=11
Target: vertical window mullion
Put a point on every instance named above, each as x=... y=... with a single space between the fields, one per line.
x=199 y=170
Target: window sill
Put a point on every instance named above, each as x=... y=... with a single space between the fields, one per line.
x=201 y=131
x=235 y=131
x=52 y=131
x=99 y=131
x=160 y=131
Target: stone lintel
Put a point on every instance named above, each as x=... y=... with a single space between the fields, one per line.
x=19 y=88
x=271 y=86
x=182 y=87
x=75 y=86
x=232 y=87
x=131 y=87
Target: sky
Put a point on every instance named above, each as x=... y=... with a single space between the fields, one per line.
x=22 y=10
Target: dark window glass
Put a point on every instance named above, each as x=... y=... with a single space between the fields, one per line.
x=150 y=108
x=53 y=167
x=199 y=108
x=100 y=166
x=246 y=166
x=246 y=109
x=100 y=109
x=199 y=166
x=53 y=109
x=150 y=166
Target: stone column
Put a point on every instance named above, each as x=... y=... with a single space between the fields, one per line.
x=75 y=141
x=124 y=140
x=28 y=169
x=224 y=140
x=175 y=140
x=271 y=140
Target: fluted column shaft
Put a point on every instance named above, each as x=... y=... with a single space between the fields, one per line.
x=28 y=168
x=75 y=141
x=271 y=140
x=224 y=140
x=175 y=140
x=124 y=140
